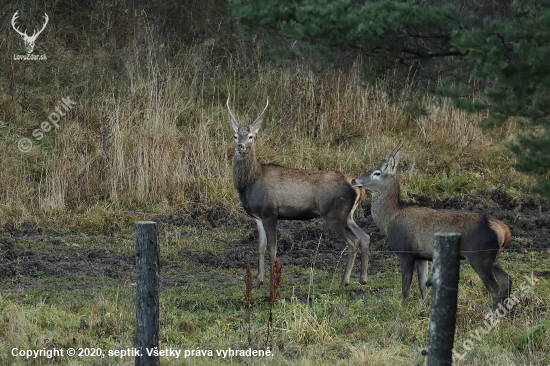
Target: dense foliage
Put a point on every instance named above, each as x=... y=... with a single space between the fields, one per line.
x=512 y=54
x=400 y=30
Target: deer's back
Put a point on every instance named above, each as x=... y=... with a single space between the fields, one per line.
x=299 y=193
x=413 y=228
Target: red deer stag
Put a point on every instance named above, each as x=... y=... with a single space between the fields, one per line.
x=271 y=192
x=410 y=231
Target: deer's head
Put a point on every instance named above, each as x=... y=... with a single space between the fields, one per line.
x=382 y=175
x=29 y=40
x=245 y=135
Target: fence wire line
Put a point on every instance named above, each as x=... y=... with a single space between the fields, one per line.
x=253 y=245
x=438 y=360
x=445 y=287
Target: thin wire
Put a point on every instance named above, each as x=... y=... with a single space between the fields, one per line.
x=437 y=359
x=445 y=287
x=404 y=251
x=396 y=251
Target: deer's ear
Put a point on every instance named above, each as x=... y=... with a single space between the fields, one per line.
x=393 y=161
x=256 y=126
x=397 y=158
x=234 y=124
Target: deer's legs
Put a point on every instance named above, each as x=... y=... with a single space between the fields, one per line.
x=484 y=269
x=364 y=241
x=261 y=252
x=346 y=233
x=270 y=226
x=407 y=269
x=505 y=281
x=352 y=253
x=422 y=272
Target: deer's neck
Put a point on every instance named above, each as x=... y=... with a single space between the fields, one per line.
x=246 y=169
x=385 y=204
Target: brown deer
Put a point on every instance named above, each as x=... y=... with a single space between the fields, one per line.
x=271 y=192
x=410 y=231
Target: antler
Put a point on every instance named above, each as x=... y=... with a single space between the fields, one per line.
x=395 y=149
x=261 y=114
x=257 y=119
x=35 y=35
x=229 y=109
x=15 y=16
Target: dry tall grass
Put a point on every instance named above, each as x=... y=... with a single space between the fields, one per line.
x=159 y=136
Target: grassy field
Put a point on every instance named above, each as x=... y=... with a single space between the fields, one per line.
x=77 y=291
x=149 y=137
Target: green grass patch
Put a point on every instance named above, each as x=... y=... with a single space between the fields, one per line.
x=204 y=308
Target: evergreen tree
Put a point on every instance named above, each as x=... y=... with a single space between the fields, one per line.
x=512 y=56
x=398 y=30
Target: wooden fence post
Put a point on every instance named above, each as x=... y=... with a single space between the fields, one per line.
x=445 y=276
x=147 y=292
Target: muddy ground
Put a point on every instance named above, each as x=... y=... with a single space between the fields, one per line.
x=312 y=242
x=299 y=242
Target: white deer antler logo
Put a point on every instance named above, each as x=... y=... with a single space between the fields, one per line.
x=29 y=40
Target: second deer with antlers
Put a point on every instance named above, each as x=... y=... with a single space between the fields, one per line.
x=271 y=192
x=410 y=231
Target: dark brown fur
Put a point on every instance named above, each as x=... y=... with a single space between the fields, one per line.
x=271 y=192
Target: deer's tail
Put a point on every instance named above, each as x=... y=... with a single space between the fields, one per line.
x=502 y=231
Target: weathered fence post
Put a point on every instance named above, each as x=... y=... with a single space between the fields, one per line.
x=445 y=275
x=147 y=292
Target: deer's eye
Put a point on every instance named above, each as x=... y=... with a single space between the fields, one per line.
x=250 y=137
x=376 y=174
x=236 y=136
